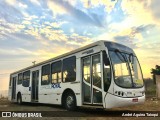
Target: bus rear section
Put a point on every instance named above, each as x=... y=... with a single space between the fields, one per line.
x=12 y=89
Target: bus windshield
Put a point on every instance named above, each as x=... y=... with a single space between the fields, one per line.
x=127 y=72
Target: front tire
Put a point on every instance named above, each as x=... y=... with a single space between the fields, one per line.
x=70 y=102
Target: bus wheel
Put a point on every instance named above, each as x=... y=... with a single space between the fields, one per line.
x=19 y=99
x=70 y=102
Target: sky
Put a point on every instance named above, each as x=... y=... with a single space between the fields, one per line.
x=36 y=30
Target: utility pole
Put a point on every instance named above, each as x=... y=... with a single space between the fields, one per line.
x=34 y=62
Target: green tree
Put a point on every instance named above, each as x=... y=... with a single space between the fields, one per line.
x=155 y=72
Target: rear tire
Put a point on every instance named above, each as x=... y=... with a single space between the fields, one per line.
x=70 y=102
x=19 y=100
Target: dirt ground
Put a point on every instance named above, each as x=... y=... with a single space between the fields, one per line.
x=150 y=104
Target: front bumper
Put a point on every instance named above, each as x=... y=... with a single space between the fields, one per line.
x=112 y=101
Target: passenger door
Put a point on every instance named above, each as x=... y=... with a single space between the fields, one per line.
x=92 y=80
x=35 y=86
x=14 y=88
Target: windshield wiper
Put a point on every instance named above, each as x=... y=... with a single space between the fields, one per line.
x=124 y=58
x=131 y=60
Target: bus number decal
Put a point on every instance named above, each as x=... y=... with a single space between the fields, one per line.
x=57 y=85
x=88 y=52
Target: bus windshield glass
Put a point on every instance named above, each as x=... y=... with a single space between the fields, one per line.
x=127 y=72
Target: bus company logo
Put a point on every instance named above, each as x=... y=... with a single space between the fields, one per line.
x=6 y=114
x=57 y=85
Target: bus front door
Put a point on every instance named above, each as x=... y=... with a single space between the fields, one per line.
x=34 y=88
x=92 y=86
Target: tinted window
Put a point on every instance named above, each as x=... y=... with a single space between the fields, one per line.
x=86 y=69
x=107 y=72
x=121 y=69
x=26 y=79
x=96 y=69
x=86 y=78
x=45 y=75
x=69 y=69
x=56 y=72
x=20 y=77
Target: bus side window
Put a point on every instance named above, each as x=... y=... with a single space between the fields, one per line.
x=107 y=72
x=56 y=73
x=20 y=77
x=26 y=79
x=45 y=74
x=69 y=69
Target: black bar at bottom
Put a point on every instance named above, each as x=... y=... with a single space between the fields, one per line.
x=84 y=113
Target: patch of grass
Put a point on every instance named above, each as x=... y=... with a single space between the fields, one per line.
x=4 y=101
x=151 y=90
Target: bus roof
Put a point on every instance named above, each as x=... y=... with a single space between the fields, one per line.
x=63 y=55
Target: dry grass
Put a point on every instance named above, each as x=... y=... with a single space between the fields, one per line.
x=149 y=105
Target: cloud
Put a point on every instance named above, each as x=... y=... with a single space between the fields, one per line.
x=39 y=29
x=126 y=40
x=35 y=2
x=17 y=51
x=25 y=22
x=23 y=6
x=11 y=2
x=61 y=38
x=117 y=12
x=7 y=12
x=137 y=12
x=78 y=14
x=45 y=39
x=109 y=4
x=112 y=9
x=56 y=9
x=7 y=28
x=77 y=40
x=12 y=41
x=153 y=57
x=135 y=35
x=143 y=28
x=155 y=8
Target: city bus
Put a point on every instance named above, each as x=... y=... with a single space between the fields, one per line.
x=103 y=74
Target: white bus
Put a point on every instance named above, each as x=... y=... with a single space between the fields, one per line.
x=103 y=74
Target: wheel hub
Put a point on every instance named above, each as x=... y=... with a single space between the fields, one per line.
x=69 y=101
